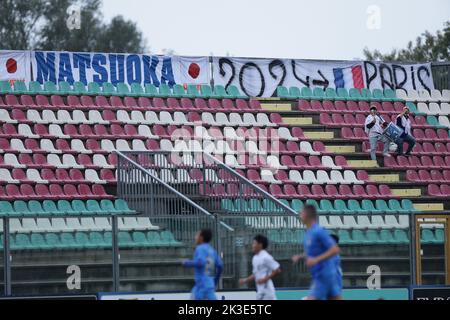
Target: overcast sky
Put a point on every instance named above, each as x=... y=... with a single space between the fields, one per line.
x=305 y=29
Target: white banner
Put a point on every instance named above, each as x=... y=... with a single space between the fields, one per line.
x=261 y=77
x=15 y=66
x=116 y=68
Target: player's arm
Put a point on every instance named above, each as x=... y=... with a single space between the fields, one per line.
x=270 y=276
x=219 y=269
x=247 y=280
x=274 y=266
x=334 y=250
x=198 y=261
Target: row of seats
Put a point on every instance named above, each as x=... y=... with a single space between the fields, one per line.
x=333 y=94
x=324 y=207
x=353 y=107
x=91 y=240
x=440 y=191
x=40 y=225
x=424 y=95
x=61 y=176
x=414 y=162
x=64 y=208
x=129 y=103
x=53 y=161
x=121 y=89
x=428 y=135
x=426 y=176
x=53 y=192
x=434 y=108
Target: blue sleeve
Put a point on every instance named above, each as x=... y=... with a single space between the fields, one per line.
x=199 y=260
x=326 y=240
x=219 y=269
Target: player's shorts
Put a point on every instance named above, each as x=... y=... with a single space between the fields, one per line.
x=266 y=296
x=326 y=287
x=199 y=294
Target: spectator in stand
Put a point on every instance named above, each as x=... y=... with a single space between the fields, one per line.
x=374 y=127
x=404 y=122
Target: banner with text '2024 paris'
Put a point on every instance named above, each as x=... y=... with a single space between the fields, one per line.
x=119 y=68
x=261 y=77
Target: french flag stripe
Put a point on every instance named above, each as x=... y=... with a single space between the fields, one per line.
x=339 y=81
x=358 y=81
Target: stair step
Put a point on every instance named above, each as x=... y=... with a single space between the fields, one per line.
x=298 y=121
x=319 y=135
x=362 y=164
x=429 y=207
x=407 y=192
x=276 y=107
x=384 y=178
x=341 y=149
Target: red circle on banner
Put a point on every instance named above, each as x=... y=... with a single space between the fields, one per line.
x=194 y=70
x=11 y=65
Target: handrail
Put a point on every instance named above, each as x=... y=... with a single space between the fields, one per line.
x=182 y=196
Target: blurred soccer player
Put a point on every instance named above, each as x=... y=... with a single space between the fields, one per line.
x=265 y=268
x=320 y=251
x=207 y=266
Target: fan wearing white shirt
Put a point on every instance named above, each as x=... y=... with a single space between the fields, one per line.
x=265 y=268
x=374 y=128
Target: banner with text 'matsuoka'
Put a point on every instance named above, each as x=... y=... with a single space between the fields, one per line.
x=119 y=68
x=15 y=66
x=261 y=77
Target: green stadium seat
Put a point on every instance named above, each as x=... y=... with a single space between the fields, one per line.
x=306 y=93
x=390 y=94
x=440 y=235
x=408 y=206
x=107 y=206
x=355 y=207
x=299 y=235
x=241 y=205
x=294 y=93
x=291 y=236
x=192 y=91
x=6 y=209
x=65 y=88
x=79 y=88
x=366 y=95
x=354 y=95
x=206 y=91
x=373 y=237
x=50 y=208
x=358 y=237
x=220 y=92
x=122 y=207
x=433 y=121
x=318 y=94
x=35 y=208
x=326 y=207
x=82 y=240
x=52 y=241
x=313 y=203
x=34 y=88
x=93 y=207
x=234 y=93
x=151 y=91
x=368 y=207
x=428 y=237
x=395 y=207
x=94 y=89
x=270 y=206
x=382 y=207
x=341 y=207
x=254 y=206
x=344 y=237
x=108 y=89
x=68 y=241
x=168 y=239
x=227 y=205
x=284 y=236
x=342 y=94
x=21 y=88
x=64 y=207
x=97 y=240
x=386 y=237
x=137 y=90
x=274 y=236
x=50 y=88
x=79 y=208
x=38 y=242
x=165 y=91
x=297 y=205
x=401 y=237
x=283 y=93
x=21 y=208
x=21 y=242
x=178 y=91
x=122 y=90
x=5 y=87
x=377 y=95
x=140 y=240
x=154 y=239
x=330 y=94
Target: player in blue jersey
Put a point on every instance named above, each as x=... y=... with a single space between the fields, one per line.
x=207 y=267
x=320 y=254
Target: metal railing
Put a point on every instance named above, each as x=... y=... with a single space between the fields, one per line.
x=441 y=75
x=211 y=185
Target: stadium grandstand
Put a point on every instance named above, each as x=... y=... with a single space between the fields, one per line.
x=115 y=178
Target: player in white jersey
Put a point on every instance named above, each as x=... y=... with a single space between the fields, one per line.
x=265 y=268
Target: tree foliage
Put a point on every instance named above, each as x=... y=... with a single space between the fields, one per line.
x=427 y=47
x=42 y=25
